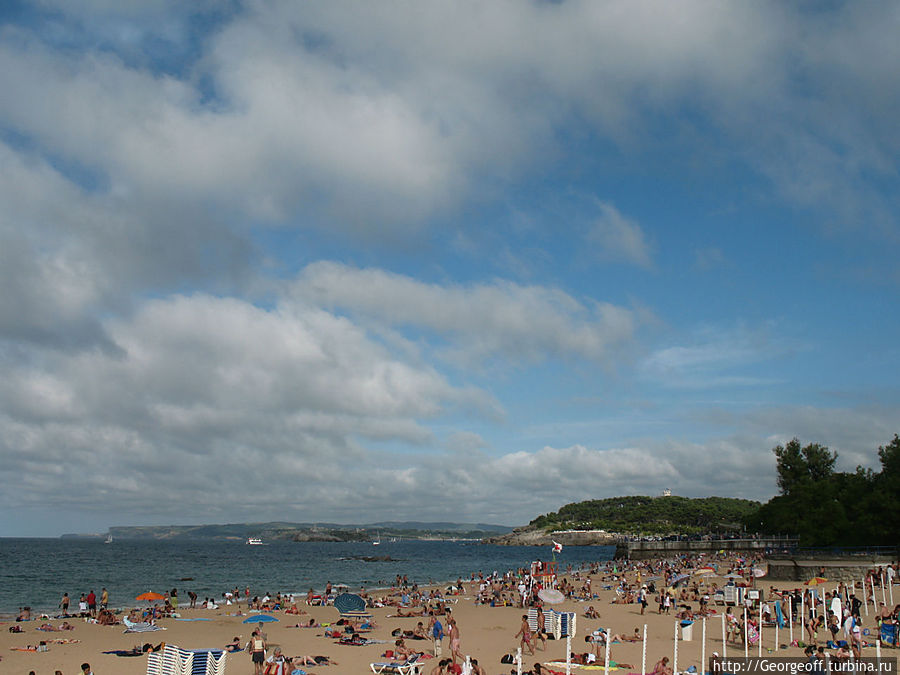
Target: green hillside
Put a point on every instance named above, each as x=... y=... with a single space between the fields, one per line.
x=651 y=515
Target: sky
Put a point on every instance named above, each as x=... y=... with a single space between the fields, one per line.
x=468 y=261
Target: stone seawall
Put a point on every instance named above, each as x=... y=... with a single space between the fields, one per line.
x=843 y=568
x=645 y=550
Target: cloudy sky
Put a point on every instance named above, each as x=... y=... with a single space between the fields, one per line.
x=469 y=261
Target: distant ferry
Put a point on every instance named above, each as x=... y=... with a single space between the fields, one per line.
x=253 y=541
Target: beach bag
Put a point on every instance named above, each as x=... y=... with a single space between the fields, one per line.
x=507 y=658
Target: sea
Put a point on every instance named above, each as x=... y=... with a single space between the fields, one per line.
x=36 y=572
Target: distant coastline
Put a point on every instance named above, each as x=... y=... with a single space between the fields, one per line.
x=301 y=532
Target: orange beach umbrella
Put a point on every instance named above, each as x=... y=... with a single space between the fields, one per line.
x=150 y=596
x=816 y=581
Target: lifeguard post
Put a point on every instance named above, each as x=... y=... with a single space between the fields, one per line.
x=543 y=572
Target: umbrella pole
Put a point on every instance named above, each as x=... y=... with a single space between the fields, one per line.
x=724 y=641
x=881 y=578
x=644 y=653
x=568 y=655
x=703 y=647
x=865 y=596
x=606 y=658
x=675 y=652
x=803 y=616
x=791 y=615
x=759 y=630
x=746 y=635
x=519 y=662
x=776 y=633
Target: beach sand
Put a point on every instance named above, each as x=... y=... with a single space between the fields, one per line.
x=487 y=633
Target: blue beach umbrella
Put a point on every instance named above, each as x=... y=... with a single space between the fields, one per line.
x=349 y=602
x=262 y=618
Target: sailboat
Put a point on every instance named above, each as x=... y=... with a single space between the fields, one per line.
x=377 y=541
x=108 y=539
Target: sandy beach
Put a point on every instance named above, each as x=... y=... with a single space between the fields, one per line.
x=487 y=633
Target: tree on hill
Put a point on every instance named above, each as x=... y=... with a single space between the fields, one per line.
x=828 y=508
x=651 y=515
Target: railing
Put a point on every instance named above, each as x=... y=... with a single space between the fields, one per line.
x=839 y=552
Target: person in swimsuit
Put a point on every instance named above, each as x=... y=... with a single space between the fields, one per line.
x=525 y=632
x=454 y=640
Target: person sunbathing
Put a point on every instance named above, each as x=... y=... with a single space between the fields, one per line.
x=313 y=661
x=591 y=613
x=401 y=651
x=234 y=645
x=662 y=667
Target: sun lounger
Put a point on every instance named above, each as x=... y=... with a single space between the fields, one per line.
x=174 y=660
x=410 y=666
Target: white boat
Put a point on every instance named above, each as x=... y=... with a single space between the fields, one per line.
x=254 y=541
x=108 y=539
x=377 y=541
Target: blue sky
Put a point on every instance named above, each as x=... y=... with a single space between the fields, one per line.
x=472 y=261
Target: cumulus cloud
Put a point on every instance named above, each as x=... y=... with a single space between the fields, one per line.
x=200 y=384
x=481 y=321
x=384 y=116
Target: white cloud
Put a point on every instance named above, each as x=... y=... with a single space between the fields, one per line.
x=618 y=238
x=716 y=356
x=376 y=117
x=481 y=321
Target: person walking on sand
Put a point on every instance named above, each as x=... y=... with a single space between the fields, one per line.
x=540 y=634
x=257 y=649
x=525 y=632
x=454 y=640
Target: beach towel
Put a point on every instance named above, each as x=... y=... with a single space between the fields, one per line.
x=779 y=616
x=562 y=664
x=142 y=628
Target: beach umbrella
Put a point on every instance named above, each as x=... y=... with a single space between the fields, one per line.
x=349 y=602
x=262 y=618
x=551 y=596
x=759 y=573
x=680 y=577
x=150 y=596
x=732 y=575
x=816 y=581
x=705 y=570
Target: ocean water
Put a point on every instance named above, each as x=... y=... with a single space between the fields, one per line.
x=36 y=572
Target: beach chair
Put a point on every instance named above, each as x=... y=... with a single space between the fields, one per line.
x=412 y=666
